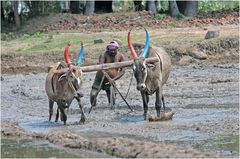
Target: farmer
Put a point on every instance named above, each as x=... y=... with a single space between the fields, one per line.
x=111 y=55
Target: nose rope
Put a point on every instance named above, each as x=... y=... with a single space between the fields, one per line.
x=72 y=87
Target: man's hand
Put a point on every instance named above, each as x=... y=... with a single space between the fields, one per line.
x=110 y=81
x=71 y=67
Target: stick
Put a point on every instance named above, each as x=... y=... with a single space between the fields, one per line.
x=163 y=117
x=109 y=78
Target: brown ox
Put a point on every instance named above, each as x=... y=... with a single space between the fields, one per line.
x=63 y=84
x=150 y=77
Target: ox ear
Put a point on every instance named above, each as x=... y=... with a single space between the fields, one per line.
x=62 y=76
x=151 y=66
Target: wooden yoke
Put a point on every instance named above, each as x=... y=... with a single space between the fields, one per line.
x=114 y=65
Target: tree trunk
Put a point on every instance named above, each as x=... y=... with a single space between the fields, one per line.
x=43 y=11
x=158 y=5
x=16 y=15
x=151 y=6
x=74 y=7
x=35 y=8
x=191 y=8
x=103 y=7
x=2 y=12
x=188 y=8
x=181 y=6
x=138 y=5
x=173 y=8
x=89 y=8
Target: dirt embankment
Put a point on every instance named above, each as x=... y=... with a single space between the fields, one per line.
x=125 y=21
x=114 y=146
x=219 y=51
x=223 y=49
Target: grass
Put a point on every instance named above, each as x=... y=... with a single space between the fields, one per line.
x=55 y=43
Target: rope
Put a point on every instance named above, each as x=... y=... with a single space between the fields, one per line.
x=108 y=77
x=129 y=86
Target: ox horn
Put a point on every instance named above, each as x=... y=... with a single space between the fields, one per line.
x=146 y=47
x=134 y=54
x=66 y=56
x=80 y=55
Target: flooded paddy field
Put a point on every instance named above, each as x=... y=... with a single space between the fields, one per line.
x=205 y=99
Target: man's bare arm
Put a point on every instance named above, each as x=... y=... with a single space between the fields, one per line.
x=102 y=59
x=121 y=71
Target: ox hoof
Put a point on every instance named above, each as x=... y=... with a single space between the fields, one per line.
x=82 y=121
x=145 y=117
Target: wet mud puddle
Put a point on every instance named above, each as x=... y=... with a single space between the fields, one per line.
x=204 y=97
x=15 y=148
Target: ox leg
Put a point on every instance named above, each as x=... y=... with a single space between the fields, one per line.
x=51 y=103
x=145 y=99
x=63 y=115
x=82 y=120
x=163 y=101
x=158 y=103
x=57 y=115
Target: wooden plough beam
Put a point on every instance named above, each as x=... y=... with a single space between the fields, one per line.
x=113 y=65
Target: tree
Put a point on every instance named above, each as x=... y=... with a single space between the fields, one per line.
x=151 y=6
x=191 y=8
x=16 y=15
x=2 y=12
x=74 y=7
x=138 y=5
x=89 y=8
x=34 y=8
x=103 y=6
x=173 y=8
x=187 y=8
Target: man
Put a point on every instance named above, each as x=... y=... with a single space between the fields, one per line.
x=111 y=55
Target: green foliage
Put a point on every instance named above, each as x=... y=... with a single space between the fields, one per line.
x=7 y=37
x=160 y=16
x=164 y=5
x=38 y=47
x=50 y=38
x=180 y=16
x=33 y=36
x=209 y=5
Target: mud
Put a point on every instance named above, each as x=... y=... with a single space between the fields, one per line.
x=203 y=97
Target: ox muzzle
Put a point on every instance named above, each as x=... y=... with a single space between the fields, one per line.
x=141 y=87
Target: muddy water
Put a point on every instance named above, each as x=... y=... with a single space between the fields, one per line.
x=205 y=99
x=14 y=148
x=26 y=148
